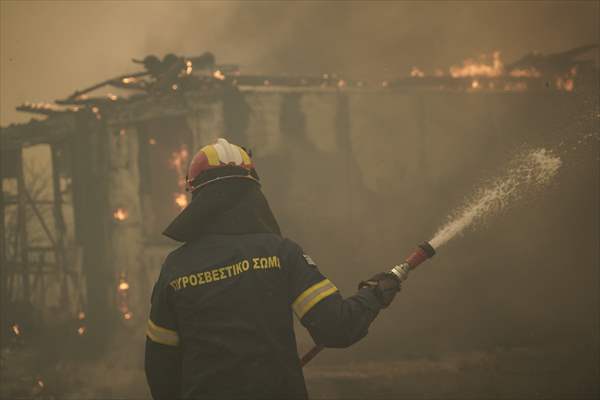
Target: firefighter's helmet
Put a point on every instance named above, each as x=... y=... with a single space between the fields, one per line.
x=218 y=161
x=223 y=182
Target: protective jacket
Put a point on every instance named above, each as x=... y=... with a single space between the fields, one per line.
x=221 y=324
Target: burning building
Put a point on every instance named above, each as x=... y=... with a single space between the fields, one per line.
x=118 y=163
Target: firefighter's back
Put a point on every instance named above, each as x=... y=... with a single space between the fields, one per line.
x=230 y=296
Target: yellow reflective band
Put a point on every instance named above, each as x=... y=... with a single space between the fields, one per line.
x=211 y=155
x=245 y=157
x=162 y=335
x=311 y=296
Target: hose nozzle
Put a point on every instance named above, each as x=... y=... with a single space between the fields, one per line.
x=422 y=253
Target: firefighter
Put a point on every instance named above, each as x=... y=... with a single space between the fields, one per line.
x=221 y=324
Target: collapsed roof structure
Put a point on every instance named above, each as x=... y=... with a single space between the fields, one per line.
x=118 y=161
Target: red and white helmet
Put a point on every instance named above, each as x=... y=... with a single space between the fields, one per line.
x=218 y=161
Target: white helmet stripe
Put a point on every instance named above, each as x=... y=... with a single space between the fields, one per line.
x=227 y=152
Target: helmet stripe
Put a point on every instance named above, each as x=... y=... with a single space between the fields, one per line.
x=211 y=155
x=245 y=156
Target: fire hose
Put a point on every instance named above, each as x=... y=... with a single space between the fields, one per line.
x=423 y=252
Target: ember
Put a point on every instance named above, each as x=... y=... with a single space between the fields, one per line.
x=120 y=214
x=416 y=73
x=181 y=200
x=218 y=75
x=123 y=285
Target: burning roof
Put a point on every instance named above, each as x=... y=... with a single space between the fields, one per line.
x=173 y=75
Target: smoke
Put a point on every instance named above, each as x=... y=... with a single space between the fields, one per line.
x=50 y=49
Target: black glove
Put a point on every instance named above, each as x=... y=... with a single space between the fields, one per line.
x=386 y=286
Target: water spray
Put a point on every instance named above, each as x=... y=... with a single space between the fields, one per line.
x=533 y=168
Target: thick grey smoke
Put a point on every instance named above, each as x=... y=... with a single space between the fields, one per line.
x=49 y=49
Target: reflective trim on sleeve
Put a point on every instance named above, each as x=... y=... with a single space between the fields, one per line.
x=311 y=296
x=162 y=335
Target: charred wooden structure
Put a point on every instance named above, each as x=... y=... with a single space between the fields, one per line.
x=118 y=163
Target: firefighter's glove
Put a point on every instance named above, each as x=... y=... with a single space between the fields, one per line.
x=385 y=285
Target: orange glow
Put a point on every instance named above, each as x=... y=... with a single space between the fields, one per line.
x=127 y=315
x=16 y=330
x=174 y=86
x=416 y=73
x=80 y=315
x=181 y=200
x=123 y=285
x=81 y=330
x=178 y=161
x=188 y=67
x=218 y=75
x=40 y=383
x=120 y=214
x=525 y=73
x=475 y=84
x=128 y=80
x=112 y=97
x=152 y=141
x=471 y=68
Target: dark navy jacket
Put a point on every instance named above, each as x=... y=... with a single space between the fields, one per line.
x=221 y=320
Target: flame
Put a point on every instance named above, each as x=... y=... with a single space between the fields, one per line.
x=129 y=80
x=178 y=161
x=96 y=111
x=219 y=75
x=112 y=97
x=16 y=329
x=475 y=84
x=123 y=285
x=188 y=68
x=80 y=315
x=181 y=200
x=81 y=330
x=567 y=82
x=174 y=86
x=471 y=68
x=120 y=214
x=40 y=383
x=416 y=73
x=127 y=315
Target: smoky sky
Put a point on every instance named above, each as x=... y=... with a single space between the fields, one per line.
x=51 y=48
